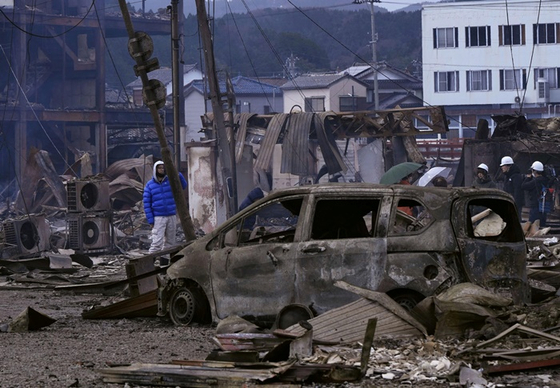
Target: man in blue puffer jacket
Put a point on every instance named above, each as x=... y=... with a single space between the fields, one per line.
x=160 y=209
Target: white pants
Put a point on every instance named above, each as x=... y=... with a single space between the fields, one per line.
x=163 y=233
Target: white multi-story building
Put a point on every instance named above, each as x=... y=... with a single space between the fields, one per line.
x=483 y=58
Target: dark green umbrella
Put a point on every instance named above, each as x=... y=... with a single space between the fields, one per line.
x=398 y=172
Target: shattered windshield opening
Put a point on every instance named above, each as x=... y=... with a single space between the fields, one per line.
x=494 y=220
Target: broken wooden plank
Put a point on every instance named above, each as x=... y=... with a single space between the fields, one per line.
x=192 y=376
x=140 y=266
x=246 y=341
x=368 y=343
x=522 y=366
x=141 y=306
x=523 y=329
x=527 y=355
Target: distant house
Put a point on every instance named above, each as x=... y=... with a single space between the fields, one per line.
x=325 y=92
x=194 y=108
x=396 y=88
x=255 y=95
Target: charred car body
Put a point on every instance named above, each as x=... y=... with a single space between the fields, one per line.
x=290 y=247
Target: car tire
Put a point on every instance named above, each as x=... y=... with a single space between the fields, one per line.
x=184 y=306
x=408 y=299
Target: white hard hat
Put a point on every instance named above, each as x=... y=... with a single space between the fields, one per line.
x=483 y=166
x=537 y=166
x=506 y=160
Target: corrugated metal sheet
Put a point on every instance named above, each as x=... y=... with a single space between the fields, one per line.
x=295 y=147
x=271 y=136
x=348 y=323
x=329 y=149
x=241 y=119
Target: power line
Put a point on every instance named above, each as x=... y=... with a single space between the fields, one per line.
x=48 y=36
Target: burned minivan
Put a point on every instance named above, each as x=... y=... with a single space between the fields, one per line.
x=289 y=248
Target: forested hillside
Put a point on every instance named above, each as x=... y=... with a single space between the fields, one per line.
x=258 y=44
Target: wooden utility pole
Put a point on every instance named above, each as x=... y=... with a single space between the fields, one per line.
x=225 y=139
x=177 y=82
x=141 y=48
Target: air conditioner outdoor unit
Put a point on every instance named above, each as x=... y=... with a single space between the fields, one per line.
x=89 y=233
x=88 y=195
x=26 y=236
x=543 y=91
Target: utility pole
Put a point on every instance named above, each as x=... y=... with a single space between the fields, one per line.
x=177 y=79
x=373 y=50
x=140 y=47
x=226 y=140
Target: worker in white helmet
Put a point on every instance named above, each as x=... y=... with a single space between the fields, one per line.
x=513 y=181
x=536 y=183
x=483 y=178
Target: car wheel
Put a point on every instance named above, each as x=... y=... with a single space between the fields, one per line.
x=182 y=306
x=407 y=299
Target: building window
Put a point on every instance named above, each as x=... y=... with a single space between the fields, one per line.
x=266 y=109
x=551 y=75
x=545 y=33
x=315 y=104
x=477 y=36
x=512 y=35
x=446 y=81
x=479 y=80
x=446 y=37
x=348 y=103
x=513 y=79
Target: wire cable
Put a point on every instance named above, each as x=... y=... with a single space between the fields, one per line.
x=48 y=36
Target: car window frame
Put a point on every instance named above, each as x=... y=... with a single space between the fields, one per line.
x=394 y=211
x=316 y=197
x=218 y=241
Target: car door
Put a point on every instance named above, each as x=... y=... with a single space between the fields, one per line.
x=252 y=272
x=492 y=246
x=344 y=240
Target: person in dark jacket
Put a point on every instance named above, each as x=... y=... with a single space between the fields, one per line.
x=483 y=178
x=513 y=181
x=534 y=183
x=439 y=181
x=160 y=208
